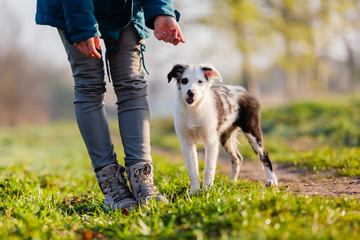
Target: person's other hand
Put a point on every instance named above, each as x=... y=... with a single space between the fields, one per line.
x=88 y=47
x=166 y=29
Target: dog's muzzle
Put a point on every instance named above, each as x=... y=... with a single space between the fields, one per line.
x=189 y=101
x=190 y=98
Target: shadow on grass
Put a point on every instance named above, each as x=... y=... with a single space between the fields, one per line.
x=80 y=205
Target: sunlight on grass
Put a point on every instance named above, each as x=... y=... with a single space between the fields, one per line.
x=48 y=189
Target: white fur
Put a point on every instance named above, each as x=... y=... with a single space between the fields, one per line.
x=197 y=121
x=189 y=125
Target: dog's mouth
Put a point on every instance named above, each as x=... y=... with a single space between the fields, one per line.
x=190 y=100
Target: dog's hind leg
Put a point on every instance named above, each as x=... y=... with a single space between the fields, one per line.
x=264 y=158
x=230 y=144
x=249 y=121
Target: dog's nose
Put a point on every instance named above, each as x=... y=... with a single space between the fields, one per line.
x=190 y=93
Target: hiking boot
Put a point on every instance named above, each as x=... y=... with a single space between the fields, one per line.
x=141 y=178
x=113 y=184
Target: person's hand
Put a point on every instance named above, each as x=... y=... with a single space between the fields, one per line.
x=166 y=29
x=88 y=47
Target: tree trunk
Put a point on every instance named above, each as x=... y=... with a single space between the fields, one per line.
x=351 y=64
x=305 y=82
x=291 y=86
x=322 y=73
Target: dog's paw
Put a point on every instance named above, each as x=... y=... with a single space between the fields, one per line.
x=270 y=183
x=194 y=191
x=271 y=179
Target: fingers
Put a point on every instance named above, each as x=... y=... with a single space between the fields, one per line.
x=93 y=51
x=97 y=43
x=170 y=35
x=180 y=36
x=167 y=30
x=87 y=47
x=159 y=35
x=175 y=40
x=173 y=36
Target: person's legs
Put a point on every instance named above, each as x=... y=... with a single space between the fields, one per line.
x=131 y=91
x=133 y=114
x=88 y=73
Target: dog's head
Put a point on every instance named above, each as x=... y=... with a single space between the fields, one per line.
x=193 y=80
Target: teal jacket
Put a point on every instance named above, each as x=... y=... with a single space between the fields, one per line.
x=83 y=19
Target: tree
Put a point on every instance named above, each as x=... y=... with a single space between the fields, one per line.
x=294 y=21
x=23 y=92
x=298 y=31
x=347 y=14
x=242 y=22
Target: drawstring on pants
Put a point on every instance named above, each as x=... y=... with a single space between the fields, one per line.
x=142 y=50
x=113 y=49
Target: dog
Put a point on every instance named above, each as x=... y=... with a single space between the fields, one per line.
x=213 y=114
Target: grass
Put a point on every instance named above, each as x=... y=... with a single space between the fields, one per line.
x=328 y=133
x=34 y=208
x=45 y=207
x=330 y=123
x=48 y=189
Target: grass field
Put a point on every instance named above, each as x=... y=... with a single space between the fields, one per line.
x=48 y=189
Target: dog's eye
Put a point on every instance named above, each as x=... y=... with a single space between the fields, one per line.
x=200 y=81
x=184 y=81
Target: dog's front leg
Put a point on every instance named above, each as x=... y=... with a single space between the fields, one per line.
x=190 y=155
x=211 y=155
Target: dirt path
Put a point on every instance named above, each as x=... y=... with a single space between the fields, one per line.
x=291 y=178
x=303 y=182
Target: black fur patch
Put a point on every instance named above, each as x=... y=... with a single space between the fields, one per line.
x=266 y=160
x=177 y=71
x=249 y=117
x=223 y=138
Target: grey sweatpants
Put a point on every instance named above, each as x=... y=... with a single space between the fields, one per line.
x=131 y=90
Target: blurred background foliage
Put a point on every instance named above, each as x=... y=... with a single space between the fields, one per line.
x=281 y=50
x=332 y=123
x=296 y=35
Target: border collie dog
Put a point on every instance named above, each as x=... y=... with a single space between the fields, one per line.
x=211 y=114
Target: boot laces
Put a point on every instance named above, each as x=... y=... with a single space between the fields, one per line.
x=118 y=189
x=144 y=180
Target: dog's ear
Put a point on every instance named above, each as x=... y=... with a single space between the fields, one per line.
x=177 y=71
x=210 y=72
